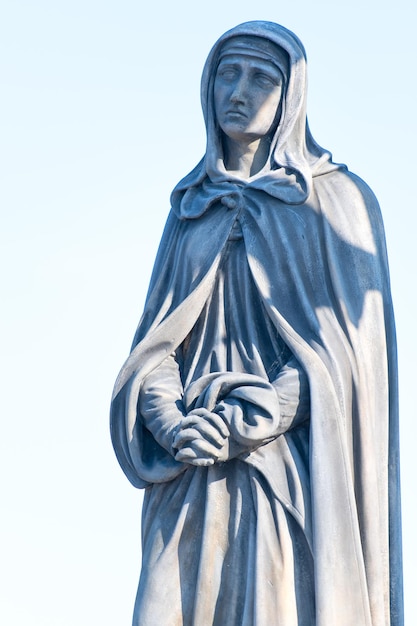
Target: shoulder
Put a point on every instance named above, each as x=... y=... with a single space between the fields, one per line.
x=343 y=192
x=347 y=185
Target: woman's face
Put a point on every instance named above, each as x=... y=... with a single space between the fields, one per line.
x=247 y=94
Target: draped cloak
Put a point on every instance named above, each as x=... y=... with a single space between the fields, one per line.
x=314 y=245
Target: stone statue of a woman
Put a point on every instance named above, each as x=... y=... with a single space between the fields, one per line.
x=258 y=405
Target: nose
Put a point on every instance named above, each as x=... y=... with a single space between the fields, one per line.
x=240 y=89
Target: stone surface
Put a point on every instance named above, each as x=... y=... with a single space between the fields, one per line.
x=258 y=406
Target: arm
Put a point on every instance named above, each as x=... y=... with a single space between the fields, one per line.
x=252 y=415
x=292 y=389
x=160 y=402
x=254 y=410
x=202 y=433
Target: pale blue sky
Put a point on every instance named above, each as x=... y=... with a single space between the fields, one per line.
x=100 y=117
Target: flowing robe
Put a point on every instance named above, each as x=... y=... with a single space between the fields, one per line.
x=324 y=487
x=227 y=530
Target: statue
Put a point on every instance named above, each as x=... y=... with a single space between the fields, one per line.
x=258 y=407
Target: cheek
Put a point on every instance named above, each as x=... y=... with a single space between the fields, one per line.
x=269 y=108
x=218 y=94
x=217 y=102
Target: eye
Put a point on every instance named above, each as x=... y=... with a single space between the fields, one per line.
x=266 y=81
x=226 y=73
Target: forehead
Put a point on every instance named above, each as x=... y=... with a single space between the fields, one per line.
x=249 y=62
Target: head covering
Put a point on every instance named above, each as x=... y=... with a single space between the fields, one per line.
x=295 y=158
x=257 y=47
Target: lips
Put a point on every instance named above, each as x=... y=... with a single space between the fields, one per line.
x=236 y=112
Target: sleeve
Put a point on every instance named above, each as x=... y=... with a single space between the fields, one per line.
x=292 y=389
x=258 y=413
x=160 y=402
x=254 y=410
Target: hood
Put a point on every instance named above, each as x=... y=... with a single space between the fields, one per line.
x=295 y=158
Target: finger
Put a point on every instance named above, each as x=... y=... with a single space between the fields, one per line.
x=188 y=455
x=202 y=430
x=203 y=448
x=190 y=420
x=203 y=462
x=188 y=434
x=209 y=424
x=212 y=418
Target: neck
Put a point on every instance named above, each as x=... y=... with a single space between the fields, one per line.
x=245 y=159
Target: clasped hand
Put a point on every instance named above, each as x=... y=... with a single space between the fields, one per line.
x=201 y=439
